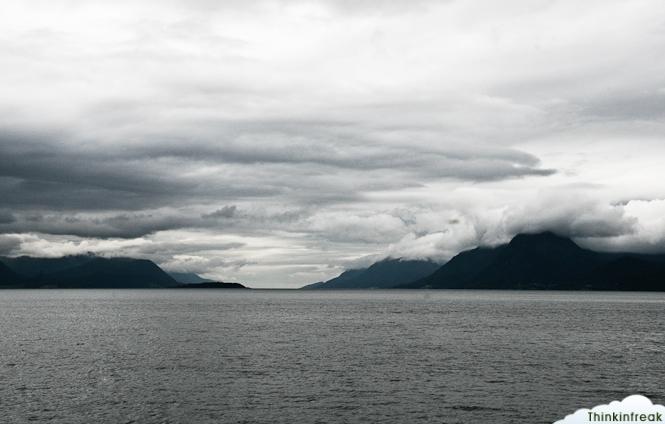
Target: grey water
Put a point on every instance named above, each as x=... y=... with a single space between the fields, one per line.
x=235 y=356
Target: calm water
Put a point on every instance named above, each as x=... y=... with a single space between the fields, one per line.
x=173 y=356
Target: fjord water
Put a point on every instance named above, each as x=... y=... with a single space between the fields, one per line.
x=235 y=356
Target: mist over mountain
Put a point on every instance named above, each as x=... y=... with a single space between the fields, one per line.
x=383 y=274
x=547 y=261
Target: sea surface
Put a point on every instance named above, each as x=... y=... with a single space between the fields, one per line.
x=278 y=356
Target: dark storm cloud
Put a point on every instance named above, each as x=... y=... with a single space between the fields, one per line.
x=53 y=172
x=124 y=225
x=120 y=226
x=305 y=146
x=135 y=224
x=44 y=171
x=6 y=217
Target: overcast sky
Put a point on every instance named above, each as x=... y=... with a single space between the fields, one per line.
x=278 y=142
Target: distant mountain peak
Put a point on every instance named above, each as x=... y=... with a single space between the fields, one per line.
x=547 y=261
x=542 y=238
x=386 y=273
x=188 y=278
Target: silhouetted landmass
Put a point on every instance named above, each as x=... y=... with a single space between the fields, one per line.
x=86 y=271
x=631 y=273
x=547 y=261
x=212 y=285
x=529 y=261
x=8 y=277
x=343 y=281
x=32 y=267
x=384 y=274
x=189 y=278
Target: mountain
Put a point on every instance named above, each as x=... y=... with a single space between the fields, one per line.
x=88 y=271
x=188 y=278
x=384 y=274
x=8 y=277
x=32 y=267
x=343 y=281
x=631 y=272
x=546 y=261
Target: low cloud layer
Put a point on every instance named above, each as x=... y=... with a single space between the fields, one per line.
x=276 y=143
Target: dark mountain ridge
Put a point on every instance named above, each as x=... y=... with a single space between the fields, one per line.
x=84 y=271
x=380 y=275
x=31 y=267
x=188 y=278
x=546 y=261
x=8 y=276
x=529 y=261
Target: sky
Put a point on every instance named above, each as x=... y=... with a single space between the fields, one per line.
x=277 y=143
